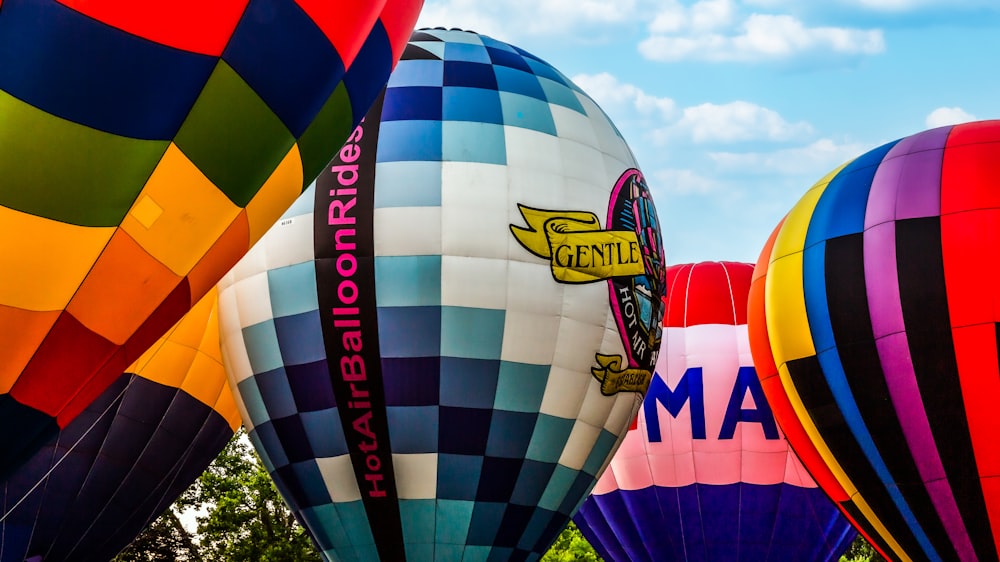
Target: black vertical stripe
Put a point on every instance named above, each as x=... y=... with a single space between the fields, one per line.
x=345 y=279
x=920 y=264
x=807 y=376
x=847 y=298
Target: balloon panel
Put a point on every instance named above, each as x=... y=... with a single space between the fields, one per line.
x=880 y=316
x=416 y=368
x=162 y=144
x=88 y=492
x=705 y=473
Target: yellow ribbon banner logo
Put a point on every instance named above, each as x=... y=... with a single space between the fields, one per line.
x=614 y=379
x=580 y=252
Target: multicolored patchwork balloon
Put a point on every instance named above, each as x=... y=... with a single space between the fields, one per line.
x=874 y=320
x=438 y=347
x=144 y=147
x=705 y=474
x=88 y=492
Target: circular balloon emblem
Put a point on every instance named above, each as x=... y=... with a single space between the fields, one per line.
x=705 y=474
x=875 y=321
x=88 y=492
x=142 y=152
x=437 y=348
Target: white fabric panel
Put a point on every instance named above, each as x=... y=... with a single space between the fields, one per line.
x=338 y=474
x=253 y=300
x=529 y=338
x=564 y=392
x=416 y=475
x=473 y=282
x=407 y=231
x=578 y=446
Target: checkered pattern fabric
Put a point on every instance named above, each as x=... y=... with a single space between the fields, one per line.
x=497 y=427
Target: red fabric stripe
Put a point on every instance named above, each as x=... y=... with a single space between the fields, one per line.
x=189 y=25
x=341 y=21
x=693 y=292
x=398 y=18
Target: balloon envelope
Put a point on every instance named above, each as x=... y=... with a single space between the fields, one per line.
x=89 y=491
x=144 y=147
x=706 y=474
x=437 y=348
x=878 y=311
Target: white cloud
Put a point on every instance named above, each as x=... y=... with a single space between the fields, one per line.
x=814 y=160
x=948 y=116
x=615 y=96
x=682 y=182
x=736 y=122
x=758 y=37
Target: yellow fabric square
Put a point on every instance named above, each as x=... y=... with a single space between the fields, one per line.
x=194 y=213
x=44 y=261
x=276 y=195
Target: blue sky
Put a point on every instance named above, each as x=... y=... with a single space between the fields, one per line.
x=734 y=108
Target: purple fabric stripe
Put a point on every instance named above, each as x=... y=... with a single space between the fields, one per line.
x=907 y=185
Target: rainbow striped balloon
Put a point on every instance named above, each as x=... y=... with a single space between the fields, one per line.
x=873 y=323
x=144 y=147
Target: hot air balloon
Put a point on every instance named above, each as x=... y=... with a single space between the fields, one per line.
x=90 y=490
x=143 y=149
x=437 y=348
x=705 y=473
x=876 y=308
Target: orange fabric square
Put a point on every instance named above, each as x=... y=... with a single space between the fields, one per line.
x=125 y=286
x=221 y=257
x=22 y=332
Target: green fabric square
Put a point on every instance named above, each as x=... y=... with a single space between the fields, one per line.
x=521 y=386
x=233 y=136
x=473 y=333
x=326 y=134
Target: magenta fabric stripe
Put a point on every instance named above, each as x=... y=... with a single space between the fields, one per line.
x=914 y=163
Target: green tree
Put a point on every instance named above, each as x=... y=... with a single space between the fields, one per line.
x=163 y=540
x=861 y=551
x=570 y=546
x=245 y=519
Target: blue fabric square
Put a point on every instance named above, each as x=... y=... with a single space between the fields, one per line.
x=276 y=393
x=276 y=48
x=519 y=82
x=469 y=74
x=558 y=94
x=412 y=103
x=325 y=526
x=434 y=48
x=527 y=113
x=253 y=401
x=466 y=52
x=411 y=381
x=303 y=485
x=409 y=331
x=531 y=482
x=469 y=383
x=356 y=524
x=310 y=386
x=300 y=338
x=474 y=553
x=521 y=386
x=544 y=70
x=582 y=484
x=486 y=518
x=262 y=347
x=325 y=432
x=602 y=448
x=417 y=551
x=508 y=58
x=472 y=104
x=465 y=141
x=515 y=520
x=501 y=554
x=413 y=429
x=475 y=333
x=559 y=485
x=418 y=521
x=292 y=289
x=408 y=280
x=497 y=479
x=407 y=184
x=452 y=521
x=510 y=433
x=549 y=439
x=463 y=431
x=543 y=523
x=368 y=73
x=409 y=140
x=449 y=552
x=258 y=445
x=458 y=476
x=418 y=73
x=293 y=439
